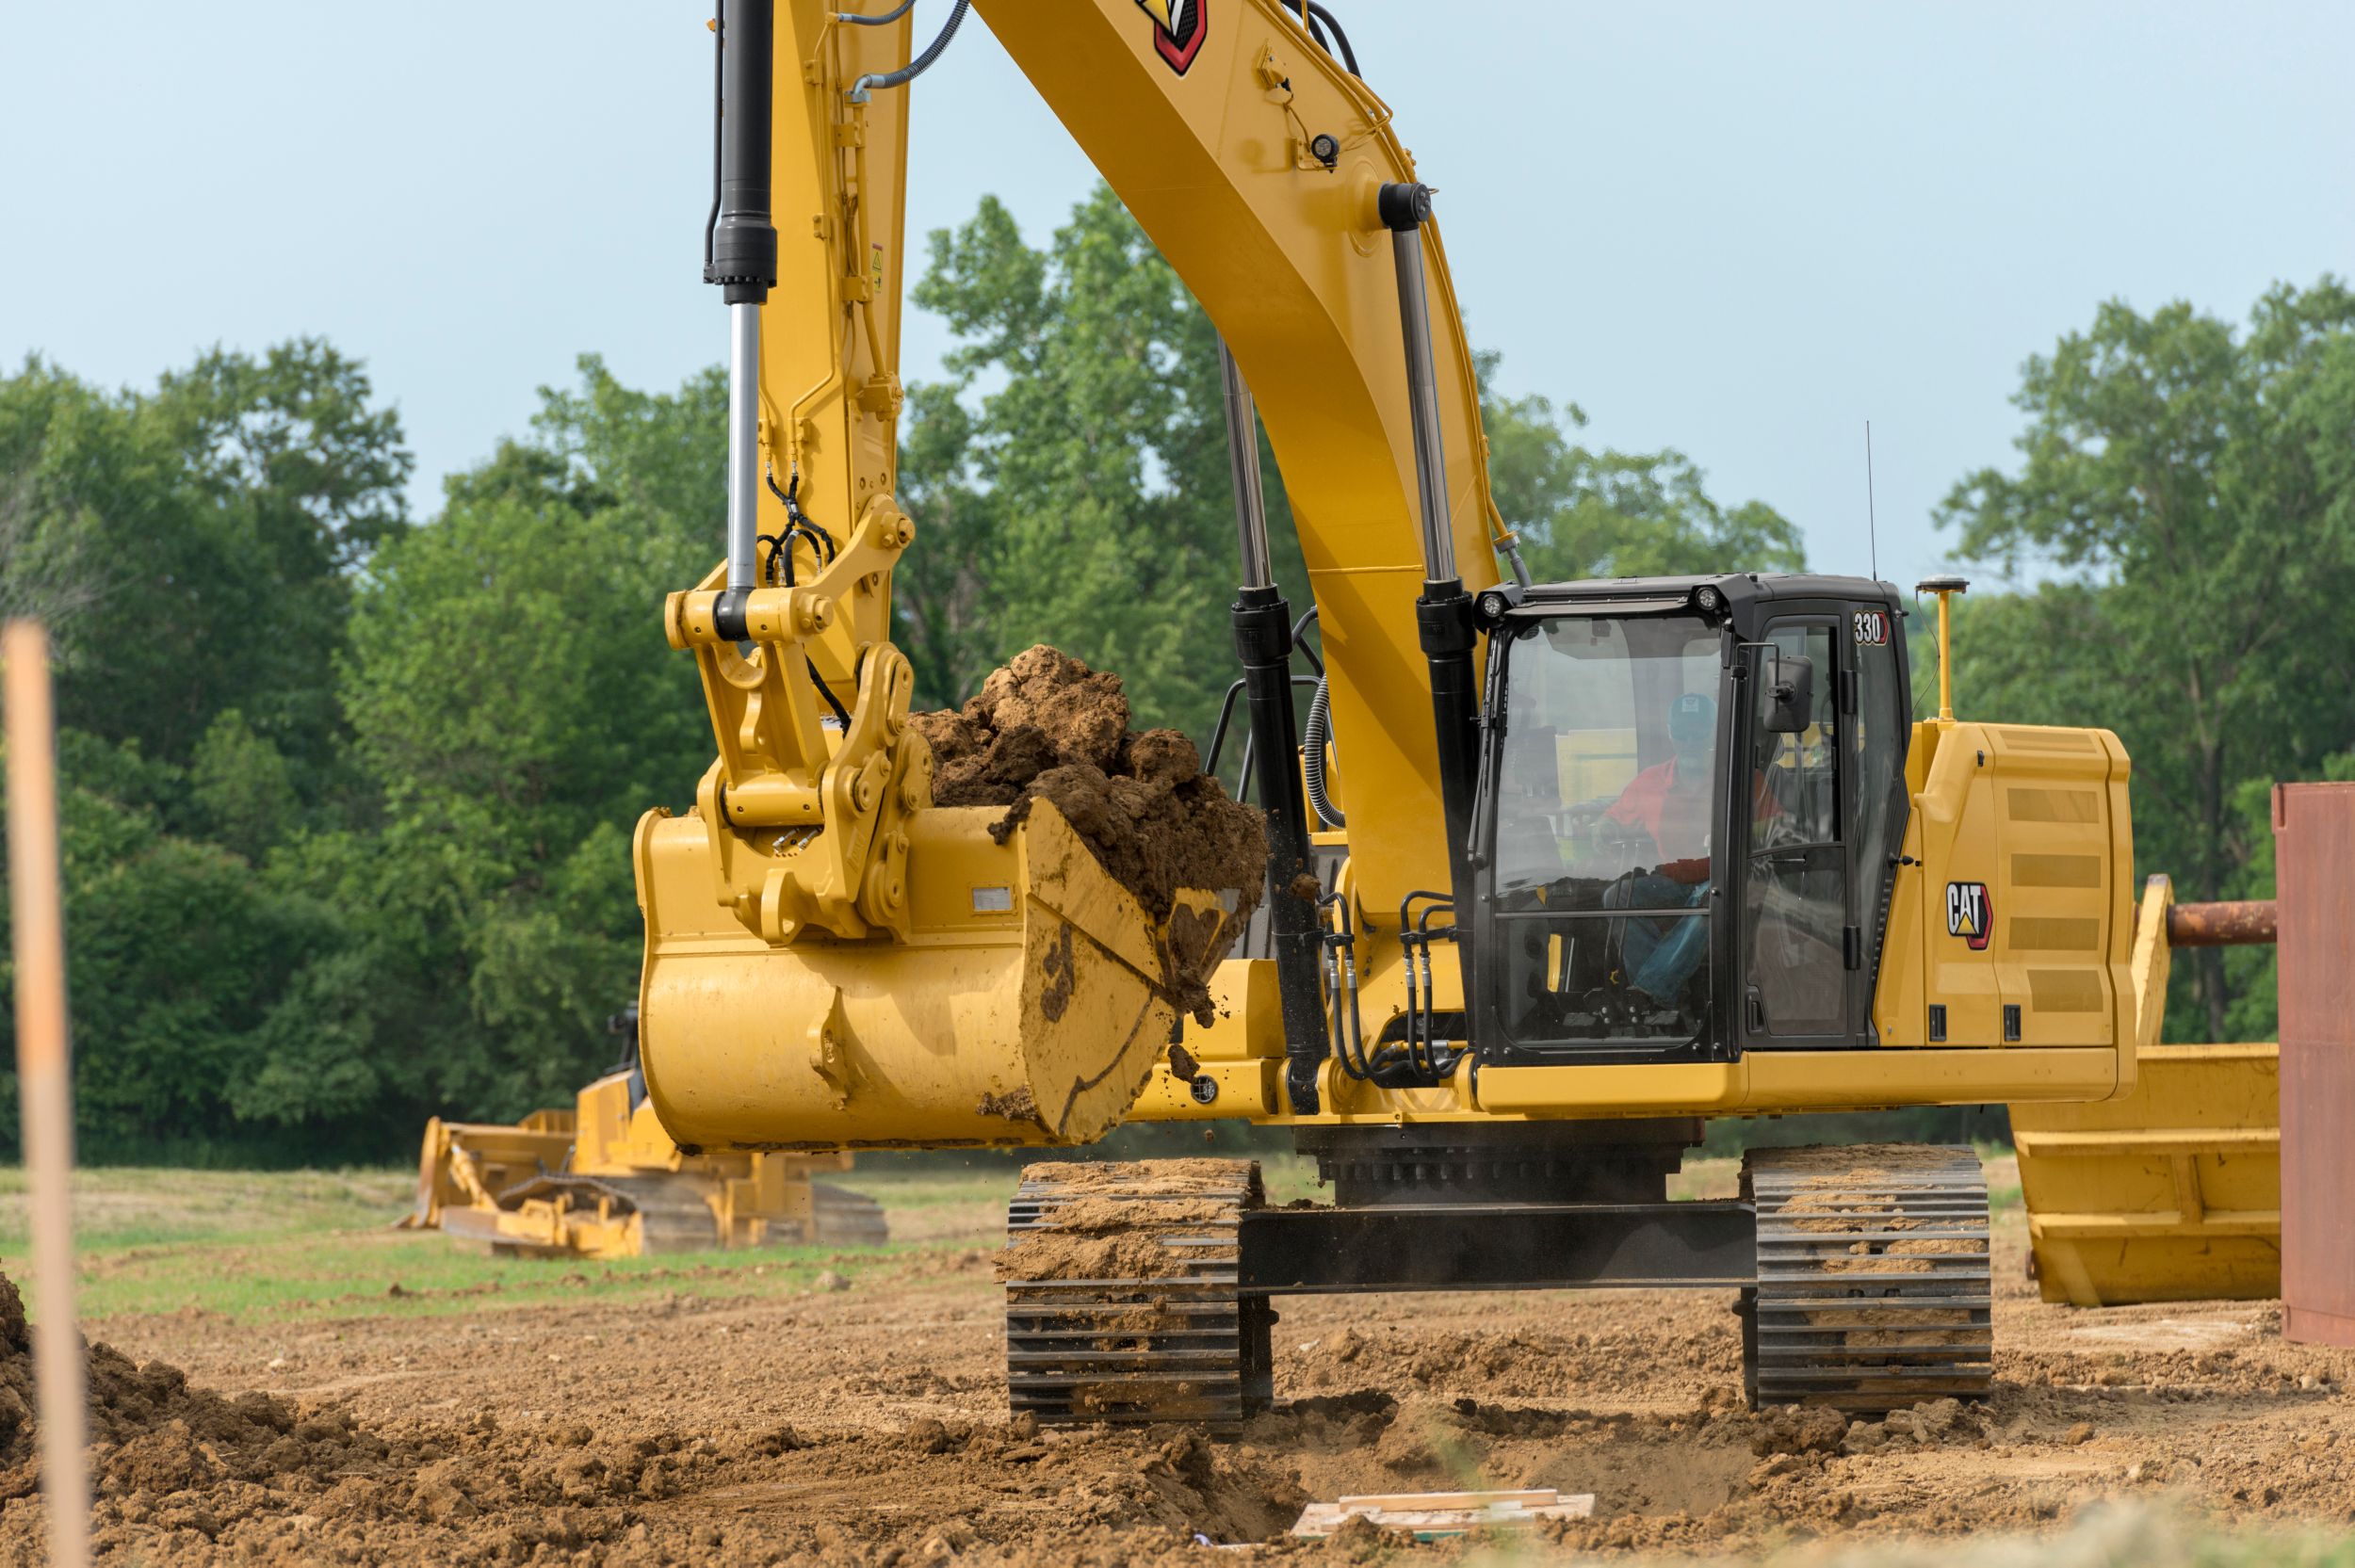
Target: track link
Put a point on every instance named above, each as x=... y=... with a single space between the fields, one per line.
x=1121 y=1298
x=1874 y=1285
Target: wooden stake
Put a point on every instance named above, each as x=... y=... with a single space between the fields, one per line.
x=45 y=1084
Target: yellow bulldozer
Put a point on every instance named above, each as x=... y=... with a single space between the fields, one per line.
x=603 y=1180
x=1556 y=872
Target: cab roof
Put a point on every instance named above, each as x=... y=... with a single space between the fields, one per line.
x=1740 y=588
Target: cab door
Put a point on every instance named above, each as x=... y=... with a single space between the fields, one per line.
x=1799 y=948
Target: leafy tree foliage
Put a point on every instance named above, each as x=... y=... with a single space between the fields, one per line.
x=1072 y=479
x=515 y=707
x=1586 y=513
x=2187 y=493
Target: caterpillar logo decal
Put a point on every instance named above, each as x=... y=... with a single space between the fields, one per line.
x=1970 y=913
x=1178 y=29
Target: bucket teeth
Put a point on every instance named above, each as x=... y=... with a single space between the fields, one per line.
x=1874 y=1285
x=1148 y=1326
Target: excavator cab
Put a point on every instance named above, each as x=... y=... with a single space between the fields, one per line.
x=1690 y=791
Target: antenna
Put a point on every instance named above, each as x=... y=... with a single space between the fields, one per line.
x=1872 y=524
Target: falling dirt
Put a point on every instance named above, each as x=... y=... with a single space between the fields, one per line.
x=869 y=1426
x=1046 y=726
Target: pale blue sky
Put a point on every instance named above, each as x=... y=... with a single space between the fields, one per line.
x=1737 y=229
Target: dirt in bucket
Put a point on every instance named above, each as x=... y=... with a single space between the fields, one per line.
x=1047 y=726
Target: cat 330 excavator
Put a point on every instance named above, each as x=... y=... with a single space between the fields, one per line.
x=1593 y=862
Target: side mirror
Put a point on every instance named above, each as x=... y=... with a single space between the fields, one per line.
x=1789 y=694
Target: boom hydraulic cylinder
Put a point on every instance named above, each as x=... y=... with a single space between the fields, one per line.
x=1443 y=612
x=741 y=255
x=1263 y=642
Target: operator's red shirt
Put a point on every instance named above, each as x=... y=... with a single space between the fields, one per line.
x=1676 y=817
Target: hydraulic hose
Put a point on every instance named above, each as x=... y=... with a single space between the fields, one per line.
x=1313 y=743
x=1349 y=57
x=917 y=66
x=887 y=18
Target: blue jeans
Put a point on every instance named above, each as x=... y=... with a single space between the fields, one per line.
x=1661 y=955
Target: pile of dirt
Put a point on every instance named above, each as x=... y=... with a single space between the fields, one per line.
x=153 y=1433
x=1048 y=727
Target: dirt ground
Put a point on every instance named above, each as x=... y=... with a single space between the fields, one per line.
x=866 y=1425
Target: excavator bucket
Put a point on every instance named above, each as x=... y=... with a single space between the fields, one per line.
x=1027 y=1006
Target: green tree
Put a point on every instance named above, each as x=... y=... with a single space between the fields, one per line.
x=203 y=539
x=517 y=708
x=1582 y=512
x=193 y=548
x=1083 y=498
x=1075 y=471
x=2190 y=491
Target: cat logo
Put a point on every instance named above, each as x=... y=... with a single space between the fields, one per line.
x=1178 y=30
x=1970 y=913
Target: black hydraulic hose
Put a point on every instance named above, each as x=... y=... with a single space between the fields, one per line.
x=892 y=15
x=718 y=92
x=1349 y=57
x=1312 y=742
x=1308 y=616
x=827 y=692
x=917 y=66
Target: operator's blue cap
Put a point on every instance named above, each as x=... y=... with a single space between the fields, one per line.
x=1693 y=718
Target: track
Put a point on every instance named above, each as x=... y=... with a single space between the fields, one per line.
x=1874 y=1289
x=840 y=1217
x=1121 y=1299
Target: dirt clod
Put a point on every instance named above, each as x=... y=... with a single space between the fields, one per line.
x=1048 y=727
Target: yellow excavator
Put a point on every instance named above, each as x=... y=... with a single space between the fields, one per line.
x=1564 y=870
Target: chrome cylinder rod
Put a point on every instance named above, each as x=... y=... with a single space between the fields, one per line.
x=743 y=442
x=1243 y=457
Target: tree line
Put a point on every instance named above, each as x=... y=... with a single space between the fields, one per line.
x=348 y=792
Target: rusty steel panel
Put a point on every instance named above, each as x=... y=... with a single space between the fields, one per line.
x=2313 y=827
x=2245 y=923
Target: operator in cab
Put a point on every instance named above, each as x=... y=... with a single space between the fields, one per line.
x=1671 y=802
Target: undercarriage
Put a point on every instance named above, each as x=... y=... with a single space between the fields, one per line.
x=1143 y=1292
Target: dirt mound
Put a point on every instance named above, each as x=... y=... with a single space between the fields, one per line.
x=154 y=1435
x=1046 y=726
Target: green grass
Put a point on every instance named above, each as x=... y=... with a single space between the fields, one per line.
x=272 y=1246
x=259 y=1247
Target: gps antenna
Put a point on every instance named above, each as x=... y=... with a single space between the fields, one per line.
x=1872 y=524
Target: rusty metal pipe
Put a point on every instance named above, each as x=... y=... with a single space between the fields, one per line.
x=2244 y=923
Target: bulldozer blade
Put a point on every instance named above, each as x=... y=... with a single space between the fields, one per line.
x=1027 y=1007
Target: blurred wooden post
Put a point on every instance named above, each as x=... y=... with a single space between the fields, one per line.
x=45 y=1084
